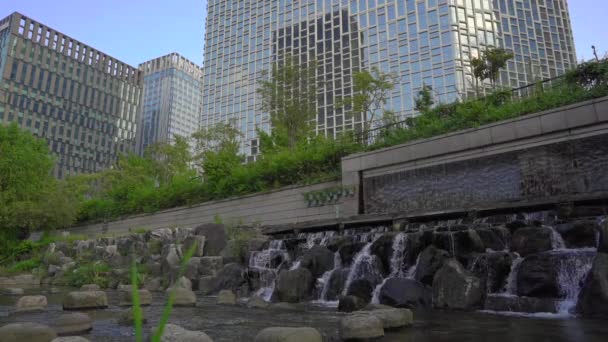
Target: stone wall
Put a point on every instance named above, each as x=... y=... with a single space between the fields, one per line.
x=283 y=206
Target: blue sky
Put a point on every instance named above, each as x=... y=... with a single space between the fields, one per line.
x=137 y=30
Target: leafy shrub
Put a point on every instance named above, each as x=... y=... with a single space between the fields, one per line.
x=88 y=273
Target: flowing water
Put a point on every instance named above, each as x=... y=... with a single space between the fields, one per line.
x=267 y=264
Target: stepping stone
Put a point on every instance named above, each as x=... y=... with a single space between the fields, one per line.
x=73 y=324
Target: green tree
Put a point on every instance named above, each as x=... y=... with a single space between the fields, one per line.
x=171 y=159
x=488 y=66
x=289 y=96
x=424 y=101
x=371 y=93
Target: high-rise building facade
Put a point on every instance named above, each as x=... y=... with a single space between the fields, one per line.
x=171 y=102
x=421 y=42
x=84 y=103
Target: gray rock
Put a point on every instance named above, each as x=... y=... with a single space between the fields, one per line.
x=256 y=302
x=531 y=240
x=31 y=303
x=210 y=266
x=70 y=339
x=430 y=261
x=231 y=277
x=495 y=238
x=226 y=297
x=215 y=238
x=171 y=259
x=295 y=285
x=25 y=281
x=361 y=326
x=90 y=287
x=30 y=332
x=593 y=300
x=145 y=298
x=207 y=285
x=318 y=260
x=394 y=318
x=603 y=243
x=183 y=297
x=85 y=300
x=183 y=283
x=499 y=302
x=579 y=234
x=153 y=284
x=455 y=288
x=174 y=333
x=282 y=334
x=350 y=303
x=337 y=280
x=406 y=293
x=192 y=268
x=199 y=250
x=12 y=292
x=72 y=324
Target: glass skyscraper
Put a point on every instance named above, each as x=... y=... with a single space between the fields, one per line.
x=421 y=42
x=171 y=101
x=84 y=103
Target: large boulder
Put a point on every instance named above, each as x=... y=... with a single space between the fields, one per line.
x=405 y=293
x=579 y=234
x=79 y=300
x=492 y=268
x=174 y=333
x=182 y=297
x=210 y=266
x=215 y=238
x=361 y=326
x=348 y=251
x=199 y=240
x=603 y=243
x=226 y=297
x=30 y=332
x=295 y=285
x=362 y=288
x=282 y=334
x=318 y=260
x=456 y=288
x=350 y=303
x=145 y=298
x=495 y=238
x=383 y=249
x=24 y=281
x=231 y=277
x=394 y=318
x=593 y=299
x=70 y=339
x=499 y=302
x=466 y=242
x=72 y=324
x=337 y=280
x=429 y=262
x=171 y=260
x=537 y=276
x=31 y=303
x=531 y=240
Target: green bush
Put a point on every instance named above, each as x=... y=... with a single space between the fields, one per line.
x=88 y=273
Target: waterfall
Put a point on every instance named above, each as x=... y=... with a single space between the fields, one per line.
x=267 y=262
x=557 y=242
x=511 y=286
x=327 y=277
x=572 y=270
x=397 y=256
x=411 y=272
x=362 y=264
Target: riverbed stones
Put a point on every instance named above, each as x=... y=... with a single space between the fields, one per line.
x=25 y=281
x=145 y=298
x=257 y=302
x=79 y=300
x=429 y=262
x=72 y=324
x=226 y=297
x=394 y=318
x=12 y=292
x=183 y=297
x=318 y=260
x=215 y=238
x=294 y=285
x=31 y=303
x=361 y=326
x=174 y=333
x=455 y=288
x=531 y=240
x=199 y=240
x=406 y=293
x=90 y=287
x=350 y=303
x=29 y=332
x=593 y=300
x=283 y=334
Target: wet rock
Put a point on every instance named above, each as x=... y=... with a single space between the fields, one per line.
x=455 y=288
x=70 y=339
x=360 y=326
x=171 y=259
x=231 y=277
x=405 y=293
x=538 y=276
x=25 y=281
x=90 y=287
x=318 y=260
x=337 y=280
x=430 y=261
x=467 y=241
x=183 y=283
x=31 y=303
x=350 y=303
x=207 y=285
x=215 y=238
x=593 y=299
x=210 y=266
x=603 y=243
x=226 y=297
x=349 y=250
x=492 y=269
x=496 y=238
x=363 y=289
x=497 y=302
x=127 y=318
x=294 y=286
x=72 y=324
x=30 y=332
x=531 y=240
x=282 y=334
x=85 y=300
x=394 y=318
x=174 y=333
x=183 y=297
x=12 y=292
x=145 y=298
x=579 y=234
x=153 y=284
x=199 y=240
x=192 y=268
x=256 y=302
x=383 y=248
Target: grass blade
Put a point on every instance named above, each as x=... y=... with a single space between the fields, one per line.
x=137 y=312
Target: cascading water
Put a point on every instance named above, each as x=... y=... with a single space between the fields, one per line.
x=324 y=282
x=572 y=269
x=363 y=265
x=397 y=258
x=267 y=263
x=511 y=285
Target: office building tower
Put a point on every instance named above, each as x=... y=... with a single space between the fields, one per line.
x=171 y=101
x=421 y=42
x=84 y=103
